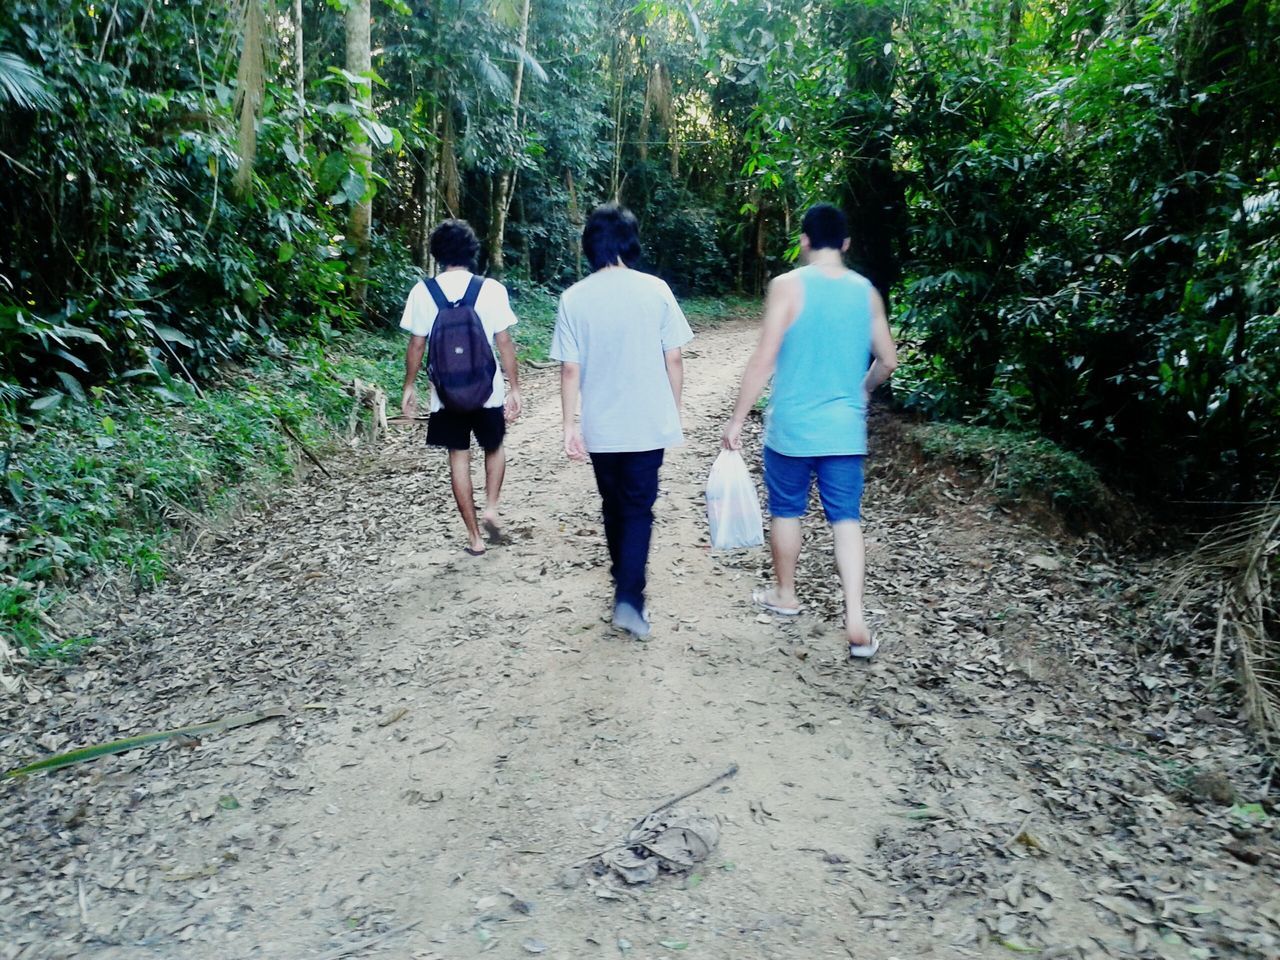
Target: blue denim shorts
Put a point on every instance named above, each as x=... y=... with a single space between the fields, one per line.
x=789 y=479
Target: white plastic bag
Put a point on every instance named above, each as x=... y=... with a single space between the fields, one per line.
x=733 y=509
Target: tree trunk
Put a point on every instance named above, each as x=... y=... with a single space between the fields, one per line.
x=430 y=195
x=498 y=225
x=673 y=137
x=300 y=73
x=615 y=178
x=873 y=194
x=576 y=218
x=526 y=248
x=360 y=62
x=643 y=136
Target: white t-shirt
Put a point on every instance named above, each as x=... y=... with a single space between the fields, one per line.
x=493 y=306
x=617 y=325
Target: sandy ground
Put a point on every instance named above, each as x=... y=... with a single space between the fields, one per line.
x=462 y=732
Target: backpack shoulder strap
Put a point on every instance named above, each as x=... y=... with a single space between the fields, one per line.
x=473 y=291
x=433 y=288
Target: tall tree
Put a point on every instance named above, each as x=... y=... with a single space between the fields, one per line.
x=502 y=195
x=360 y=64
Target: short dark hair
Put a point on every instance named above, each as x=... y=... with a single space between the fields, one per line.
x=612 y=233
x=455 y=244
x=825 y=226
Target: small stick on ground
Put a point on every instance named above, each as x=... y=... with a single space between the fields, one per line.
x=303 y=447
x=732 y=771
x=366 y=944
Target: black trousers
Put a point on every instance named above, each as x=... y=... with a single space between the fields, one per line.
x=628 y=484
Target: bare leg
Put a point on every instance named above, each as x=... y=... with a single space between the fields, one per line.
x=495 y=469
x=784 y=541
x=851 y=565
x=464 y=495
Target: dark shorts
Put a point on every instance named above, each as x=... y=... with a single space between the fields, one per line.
x=453 y=428
x=789 y=479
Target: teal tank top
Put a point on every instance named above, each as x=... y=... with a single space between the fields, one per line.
x=818 y=407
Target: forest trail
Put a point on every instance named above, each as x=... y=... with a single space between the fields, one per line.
x=463 y=730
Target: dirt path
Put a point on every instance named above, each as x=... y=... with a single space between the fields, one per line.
x=462 y=731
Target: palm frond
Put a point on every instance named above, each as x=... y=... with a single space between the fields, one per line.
x=1235 y=570
x=530 y=62
x=22 y=85
x=498 y=83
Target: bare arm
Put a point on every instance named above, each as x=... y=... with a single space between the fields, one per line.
x=882 y=347
x=570 y=390
x=412 y=364
x=675 y=373
x=780 y=309
x=511 y=370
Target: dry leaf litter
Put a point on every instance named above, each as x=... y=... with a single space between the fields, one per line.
x=1021 y=770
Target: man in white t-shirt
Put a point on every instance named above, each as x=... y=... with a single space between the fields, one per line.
x=618 y=337
x=455 y=248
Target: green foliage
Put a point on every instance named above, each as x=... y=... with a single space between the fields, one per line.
x=1022 y=467
x=99 y=484
x=1085 y=221
x=130 y=250
x=536 y=309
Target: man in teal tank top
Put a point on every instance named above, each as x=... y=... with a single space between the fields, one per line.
x=826 y=342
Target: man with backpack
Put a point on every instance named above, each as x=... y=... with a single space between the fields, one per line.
x=618 y=337
x=460 y=322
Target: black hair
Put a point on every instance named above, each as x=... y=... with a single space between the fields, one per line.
x=454 y=244
x=612 y=233
x=825 y=226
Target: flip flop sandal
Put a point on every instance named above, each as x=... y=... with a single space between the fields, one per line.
x=760 y=598
x=494 y=532
x=864 y=651
x=473 y=553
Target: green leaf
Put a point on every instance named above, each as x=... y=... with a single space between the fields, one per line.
x=673 y=944
x=923 y=813
x=58 y=761
x=47 y=402
x=14 y=480
x=72 y=385
x=285 y=253
x=164 y=393
x=72 y=359
x=171 y=335
x=354 y=186
x=382 y=135
x=1250 y=811
x=1017 y=946
x=228 y=803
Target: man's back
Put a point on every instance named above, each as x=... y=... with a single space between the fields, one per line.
x=818 y=406
x=616 y=324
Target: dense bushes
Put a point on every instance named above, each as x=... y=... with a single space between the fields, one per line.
x=130 y=248
x=1082 y=200
x=1092 y=232
x=101 y=484
x=1074 y=209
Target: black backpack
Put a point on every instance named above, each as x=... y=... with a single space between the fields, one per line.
x=460 y=359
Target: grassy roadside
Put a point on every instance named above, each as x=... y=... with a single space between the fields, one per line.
x=104 y=484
